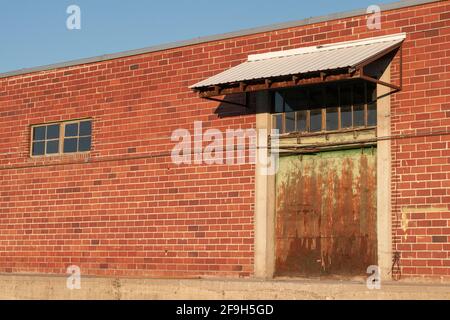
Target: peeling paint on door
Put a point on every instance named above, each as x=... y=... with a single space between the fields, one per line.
x=326 y=213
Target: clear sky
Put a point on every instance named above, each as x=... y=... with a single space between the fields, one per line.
x=34 y=33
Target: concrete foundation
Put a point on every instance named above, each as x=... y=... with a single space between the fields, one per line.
x=54 y=287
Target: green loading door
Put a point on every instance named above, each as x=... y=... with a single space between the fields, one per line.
x=326 y=213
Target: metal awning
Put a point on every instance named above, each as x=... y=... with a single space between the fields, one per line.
x=322 y=63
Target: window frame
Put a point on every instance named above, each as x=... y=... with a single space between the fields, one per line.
x=45 y=140
x=323 y=109
x=62 y=131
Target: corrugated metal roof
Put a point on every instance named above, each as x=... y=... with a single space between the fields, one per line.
x=304 y=60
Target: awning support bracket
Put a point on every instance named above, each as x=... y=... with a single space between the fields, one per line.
x=396 y=88
x=380 y=82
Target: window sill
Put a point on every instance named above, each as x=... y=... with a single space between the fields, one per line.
x=322 y=133
x=61 y=158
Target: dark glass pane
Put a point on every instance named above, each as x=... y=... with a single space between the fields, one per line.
x=71 y=130
x=38 y=148
x=278 y=122
x=278 y=102
x=332 y=119
x=372 y=114
x=358 y=115
x=332 y=96
x=301 y=121
x=296 y=99
x=290 y=122
x=358 y=94
x=371 y=92
x=358 y=104
x=316 y=120
x=39 y=133
x=53 y=131
x=52 y=146
x=346 y=117
x=84 y=144
x=316 y=97
x=70 y=145
x=346 y=95
x=345 y=100
x=371 y=104
x=287 y=108
x=85 y=128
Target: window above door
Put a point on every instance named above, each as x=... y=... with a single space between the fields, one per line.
x=325 y=108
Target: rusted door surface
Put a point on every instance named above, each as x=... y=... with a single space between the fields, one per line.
x=326 y=213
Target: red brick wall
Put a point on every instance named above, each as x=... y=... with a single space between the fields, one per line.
x=421 y=160
x=127 y=210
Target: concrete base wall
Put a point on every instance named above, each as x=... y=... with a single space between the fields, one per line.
x=54 y=287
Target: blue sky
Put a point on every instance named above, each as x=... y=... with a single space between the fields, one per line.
x=34 y=33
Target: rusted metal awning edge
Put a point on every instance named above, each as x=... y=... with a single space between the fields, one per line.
x=277 y=82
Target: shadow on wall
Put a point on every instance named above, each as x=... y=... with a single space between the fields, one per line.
x=236 y=105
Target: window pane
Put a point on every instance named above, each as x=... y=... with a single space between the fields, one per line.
x=38 y=148
x=372 y=114
x=296 y=99
x=332 y=96
x=85 y=128
x=358 y=105
x=345 y=100
x=290 y=122
x=278 y=122
x=70 y=145
x=316 y=120
x=39 y=133
x=332 y=119
x=371 y=104
x=52 y=146
x=316 y=97
x=371 y=92
x=71 y=130
x=358 y=94
x=346 y=117
x=346 y=95
x=84 y=144
x=278 y=102
x=53 y=131
x=301 y=121
x=358 y=115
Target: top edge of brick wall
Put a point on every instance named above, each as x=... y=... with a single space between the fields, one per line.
x=223 y=36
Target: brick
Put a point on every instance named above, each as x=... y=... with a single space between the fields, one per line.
x=439 y=239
